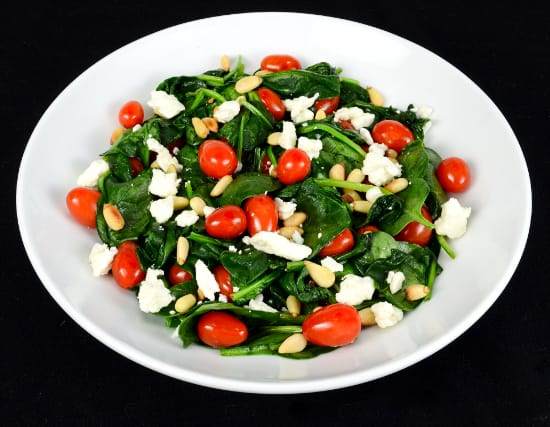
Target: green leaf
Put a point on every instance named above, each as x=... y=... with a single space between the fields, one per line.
x=323 y=68
x=159 y=244
x=386 y=209
x=247 y=185
x=294 y=283
x=247 y=266
x=181 y=87
x=294 y=83
x=350 y=93
x=250 y=291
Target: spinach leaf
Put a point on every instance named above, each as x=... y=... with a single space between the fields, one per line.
x=192 y=173
x=250 y=291
x=181 y=87
x=247 y=185
x=295 y=284
x=351 y=92
x=158 y=245
x=334 y=152
x=323 y=68
x=247 y=266
x=386 y=209
x=294 y=83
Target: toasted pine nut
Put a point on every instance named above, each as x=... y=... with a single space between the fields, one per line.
x=416 y=292
x=320 y=115
x=316 y=309
x=180 y=203
x=293 y=304
x=356 y=176
x=241 y=99
x=200 y=294
x=397 y=185
x=221 y=185
x=225 y=63
x=293 y=344
x=171 y=169
x=198 y=205
x=210 y=100
x=211 y=123
x=391 y=153
x=394 y=160
x=261 y=73
x=117 y=133
x=182 y=250
x=295 y=220
x=155 y=165
x=200 y=128
x=185 y=303
x=320 y=275
x=350 y=196
x=362 y=206
x=273 y=138
x=248 y=83
x=338 y=171
x=376 y=97
x=289 y=231
x=113 y=217
x=367 y=317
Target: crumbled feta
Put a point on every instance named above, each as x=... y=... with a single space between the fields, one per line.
x=239 y=167
x=164 y=184
x=222 y=298
x=297 y=237
x=312 y=147
x=206 y=281
x=285 y=209
x=136 y=128
x=187 y=218
x=227 y=111
x=275 y=244
x=93 y=172
x=153 y=295
x=232 y=248
x=319 y=235
x=299 y=108
x=423 y=112
x=258 y=304
x=162 y=209
x=453 y=220
x=332 y=264
x=373 y=194
x=395 y=279
x=164 y=158
x=208 y=210
x=164 y=104
x=355 y=289
x=101 y=258
x=386 y=314
x=359 y=119
x=379 y=169
x=365 y=134
x=288 y=136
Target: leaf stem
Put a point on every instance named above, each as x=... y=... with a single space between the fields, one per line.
x=256 y=112
x=250 y=291
x=294 y=265
x=327 y=182
x=331 y=131
x=271 y=156
x=285 y=329
x=212 y=80
x=239 y=67
x=201 y=238
x=446 y=246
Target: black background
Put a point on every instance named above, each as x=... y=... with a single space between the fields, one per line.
x=498 y=372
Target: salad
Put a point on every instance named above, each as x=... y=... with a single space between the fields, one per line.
x=278 y=212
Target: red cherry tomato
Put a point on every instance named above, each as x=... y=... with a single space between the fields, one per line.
x=130 y=114
x=227 y=222
x=346 y=124
x=329 y=105
x=176 y=143
x=217 y=158
x=294 y=166
x=272 y=102
x=265 y=164
x=126 y=268
x=332 y=326
x=177 y=275
x=415 y=232
x=219 y=329
x=261 y=214
x=341 y=244
x=82 y=205
x=392 y=133
x=366 y=229
x=224 y=280
x=280 y=63
x=454 y=175
x=136 y=166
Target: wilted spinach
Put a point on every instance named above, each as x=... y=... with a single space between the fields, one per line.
x=294 y=283
x=294 y=83
x=247 y=185
x=351 y=92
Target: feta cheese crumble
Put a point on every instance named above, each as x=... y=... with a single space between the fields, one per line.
x=232 y=248
x=187 y=218
x=164 y=104
x=222 y=298
x=379 y=169
x=359 y=119
x=164 y=158
x=258 y=304
x=332 y=264
x=299 y=108
x=373 y=194
x=312 y=147
x=297 y=237
x=227 y=111
x=385 y=314
x=423 y=112
x=285 y=209
x=365 y=134
x=275 y=244
x=93 y=172
x=208 y=210
x=453 y=220
x=288 y=136
x=164 y=184
x=101 y=258
x=206 y=281
x=395 y=279
x=162 y=209
x=153 y=295
x=355 y=289
x=136 y=128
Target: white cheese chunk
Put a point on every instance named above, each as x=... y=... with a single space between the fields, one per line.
x=206 y=281
x=395 y=280
x=222 y=298
x=373 y=194
x=164 y=184
x=153 y=295
x=187 y=218
x=258 y=304
x=93 y=172
x=365 y=134
x=379 y=169
x=285 y=209
x=359 y=119
x=385 y=314
x=423 y=112
x=232 y=248
x=275 y=244
x=355 y=289
x=136 y=128
x=208 y=210
x=312 y=147
x=101 y=258
x=164 y=104
x=227 y=111
x=297 y=237
x=332 y=264
x=164 y=158
x=288 y=136
x=453 y=220
x=162 y=209
x=299 y=108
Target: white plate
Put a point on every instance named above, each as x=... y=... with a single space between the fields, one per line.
x=76 y=128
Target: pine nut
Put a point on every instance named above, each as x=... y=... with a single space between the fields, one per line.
x=200 y=294
x=225 y=63
x=155 y=165
x=338 y=171
x=210 y=100
x=397 y=185
x=289 y=231
x=211 y=123
x=117 y=133
x=391 y=153
x=180 y=203
x=171 y=169
x=182 y=250
x=293 y=304
x=361 y=206
x=113 y=217
x=261 y=73
x=367 y=317
x=393 y=160
x=295 y=220
x=185 y=303
x=320 y=115
x=350 y=196
x=198 y=205
x=221 y=185
x=273 y=138
x=316 y=309
x=293 y=344
x=200 y=128
x=356 y=176
x=416 y=292
x=248 y=83
x=320 y=275
x=376 y=97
